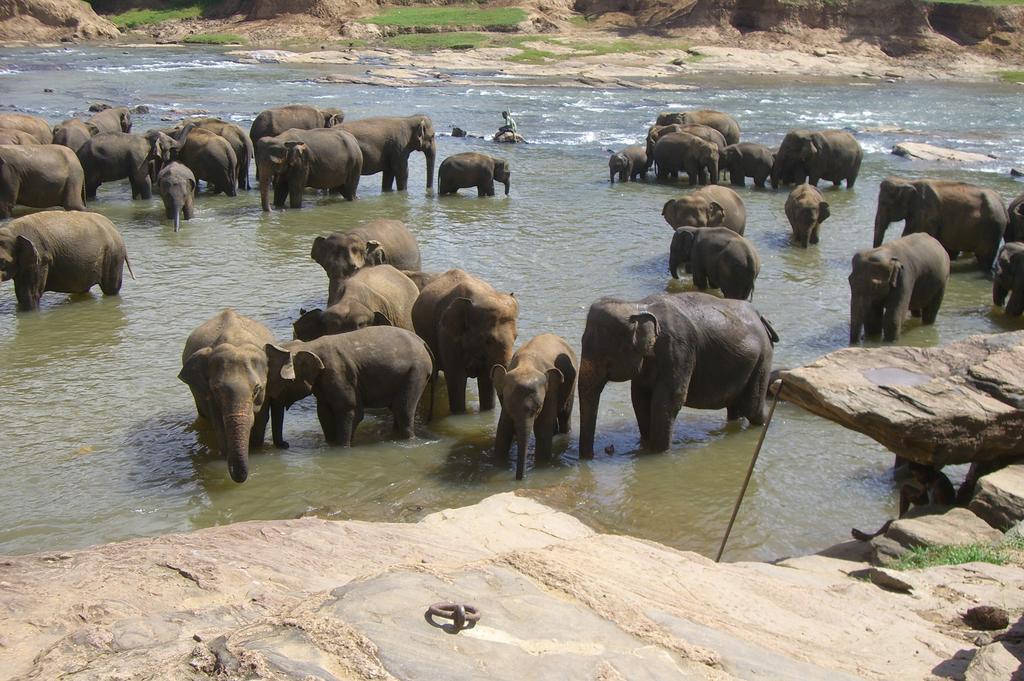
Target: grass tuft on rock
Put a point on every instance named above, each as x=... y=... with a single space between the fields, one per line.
x=464 y=15
x=215 y=39
x=427 y=42
x=1011 y=76
x=933 y=556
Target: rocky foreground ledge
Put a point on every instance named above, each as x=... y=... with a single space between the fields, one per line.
x=318 y=599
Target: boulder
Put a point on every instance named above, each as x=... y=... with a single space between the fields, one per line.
x=955 y=527
x=959 y=403
x=40 y=20
x=927 y=152
x=996 y=662
x=508 y=138
x=999 y=497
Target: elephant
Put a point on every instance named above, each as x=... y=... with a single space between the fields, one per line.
x=236 y=137
x=163 y=149
x=711 y=206
x=375 y=367
x=224 y=364
x=469 y=327
x=809 y=156
x=12 y=136
x=378 y=242
x=386 y=143
x=71 y=133
x=908 y=273
x=717 y=257
x=117 y=119
x=677 y=349
x=373 y=296
x=177 y=187
x=210 y=157
x=628 y=164
x=421 y=279
x=806 y=209
x=681 y=151
x=66 y=252
x=273 y=122
x=536 y=393
x=109 y=156
x=963 y=217
x=33 y=125
x=656 y=132
x=1015 y=228
x=323 y=158
x=471 y=169
x=40 y=176
x=722 y=122
x=1009 y=278
x=748 y=160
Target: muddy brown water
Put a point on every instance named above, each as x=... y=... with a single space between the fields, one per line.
x=100 y=439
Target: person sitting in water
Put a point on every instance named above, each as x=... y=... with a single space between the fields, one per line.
x=510 y=124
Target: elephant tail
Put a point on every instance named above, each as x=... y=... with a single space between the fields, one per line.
x=129 y=264
x=770 y=329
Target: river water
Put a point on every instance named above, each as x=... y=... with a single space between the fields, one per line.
x=100 y=440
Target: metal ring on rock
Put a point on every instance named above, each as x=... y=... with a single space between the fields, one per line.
x=461 y=615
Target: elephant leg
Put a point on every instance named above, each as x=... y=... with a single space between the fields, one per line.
x=892 y=321
x=277 y=426
x=344 y=425
x=931 y=310
x=700 y=276
x=113 y=268
x=29 y=292
x=641 y=396
x=280 y=190
x=325 y=415
x=146 y=186
x=873 y=319
x=404 y=410
x=402 y=175
x=188 y=208
x=814 y=234
x=387 y=180
x=504 y=435
x=543 y=431
x=90 y=189
x=666 y=402
x=753 y=403
x=259 y=426
x=456 y=380
x=985 y=260
x=486 y=388
x=357 y=418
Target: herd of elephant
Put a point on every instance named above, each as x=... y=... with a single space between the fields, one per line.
x=388 y=328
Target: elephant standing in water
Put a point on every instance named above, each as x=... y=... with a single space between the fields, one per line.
x=677 y=349
x=210 y=157
x=177 y=187
x=224 y=364
x=386 y=143
x=235 y=136
x=378 y=242
x=717 y=257
x=66 y=252
x=33 y=125
x=273 y=122
x=656 y=132
x=628 y=164
x=682 y=152
x=1009 y=278
x=963 y=217
x=373 y=296
x=471 y=169
x=71 y=133
x=111 y=156
x=809 y=156
x=322 y=158
x=748 y=160
x=711 y=206
x=806 y=210
x=722 y=122
x=118 y=119
x=908 y=273
x=40 y=176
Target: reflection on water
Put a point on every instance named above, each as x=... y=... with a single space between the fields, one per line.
x=102 y=438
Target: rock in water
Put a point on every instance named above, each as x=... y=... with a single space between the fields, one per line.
x=928 y=152
x=458 y=132
x=508 y=138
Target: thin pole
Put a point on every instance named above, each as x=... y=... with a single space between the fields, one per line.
x=750 y=471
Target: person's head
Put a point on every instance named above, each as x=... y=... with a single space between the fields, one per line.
x=504 y=114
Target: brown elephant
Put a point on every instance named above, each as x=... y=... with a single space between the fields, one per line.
x=115 y=119
x=682 y=152
x=378 y=242
x=718 y=258
x=1015 y=227
x=711 y=206
x=112 y=156
x=320 y=158
x=628 y=164
x=470 y=169
x=748 y=160
x=176 y=185
x=536 y=393
x=1009 y=278
x=806 y=209
x=722 y=122
x=236 y=137
x=33 y=125
x=656 y=132
x=210 y=157
x=386 y=143
x=813 y=155
x=273 y=122
x=12 y=136
x=469 y=327
x=40 y=176
x=71 y=133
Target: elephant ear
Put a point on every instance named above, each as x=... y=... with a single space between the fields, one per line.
x=321 y=251
x=667 y=210
x=555 y=380
x=307 y=366
x=193 y=371
x=455 y=319
x=26 y=254
x=381 y=319
x=93 y=130
x=498 y=374
x=895 y=272
x=279 y=365
x=716 y=214
x=309 y=326
x=297 y=152
x=126 y=121
x=421 y=132
x=823 y=211
x=645 y=332
x=375 y=253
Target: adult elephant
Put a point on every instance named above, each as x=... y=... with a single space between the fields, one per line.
x=33 y=125
x=677 y=349
x=962 y=216
x=224 y=364
x=110 y=156
x=386 y=143
x=12 y=136
x=656 y=132
x=682 y=152
x=66 y=252
x=115 y=119
x=1015 y=228
x=373 y=296
x=378 y=242
x=40 y=176
x=210 y=157
x=722 y=122
x=806 y=209
x=628 y=164
x=71 y=133
x=748 y=160
x=471 y=169
x=296 y=159
x=718 y=258
x=905 y=274
x=236 y=137
x=711 y=206
x=809 y=156
x=470 y=328
x=1009 y=278
x=273 y=122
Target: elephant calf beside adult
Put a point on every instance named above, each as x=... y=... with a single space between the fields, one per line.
x=806 y=209
x=378 y=242
x=810 y=156
x=718 y=258
x=711 y=206
x=682 y=152
x=386 y=143
x=373 y=296
x=471 y=169
x=210 y=157
x=233 y=135
x=748 y=160
x=176 y=185
x=40 y=176
x=628 y=164
x=328 y=158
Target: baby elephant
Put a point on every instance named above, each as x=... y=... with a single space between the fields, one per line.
x=177 y=187
x=908 y=273
x=471 y=169
x=806 y=210
x=375 y=367
x=747 y=159
x=67 y=252
x=628 y=164
x=373 y=296
x=1009 y=277
x=536 y=393
x=717 y=257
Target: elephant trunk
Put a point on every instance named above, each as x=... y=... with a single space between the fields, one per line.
x=591 y=383
x=674 y=261
x=177 y=220
x=776 y=172
x=805 y=235
x=523 y=428
x=1015 y=306
x=508 y=183
x=881 y=224
x=265 y=176
x=431 y=153
x=237 y=429
x=858 y=310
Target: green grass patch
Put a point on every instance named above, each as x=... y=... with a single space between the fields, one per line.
x=215 y=39
x=530 y=55
x=415 y=17
x=932 y=556
x=426 y=42
x=135 y=18
x=1011 y=76
x=579 y=21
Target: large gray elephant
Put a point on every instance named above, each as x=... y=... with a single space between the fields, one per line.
x=682 y=152
x=656 y=132
x=471 y=169
x=66 y=252
x=235 y=136
x=536 y=393
x=40 y=176
x=110 y=156
x=378 y=242
x=711 y=206
x=373 y=296
x=677 y=349
x=33 y=125
x=963 y=217
x=71 y=133
x=722 y=122
x=718 y=258
x=12 y=136
x=806 y=209
x=376 y=367
x=319 y=158
x=386 y=143
x=273 y=122
x=224 y=364
x=628 y=164
x=809 y=156
x=1009 y=278
x=210 y=157
x=905 y=274
x=177 y=187
x=469 y=327
x=1015 y=227
x=747 y=159
x=115 y=119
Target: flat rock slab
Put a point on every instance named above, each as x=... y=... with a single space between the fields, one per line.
x=929 y=152
x=958 y=526
x=999 y=497
x=959 y=403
